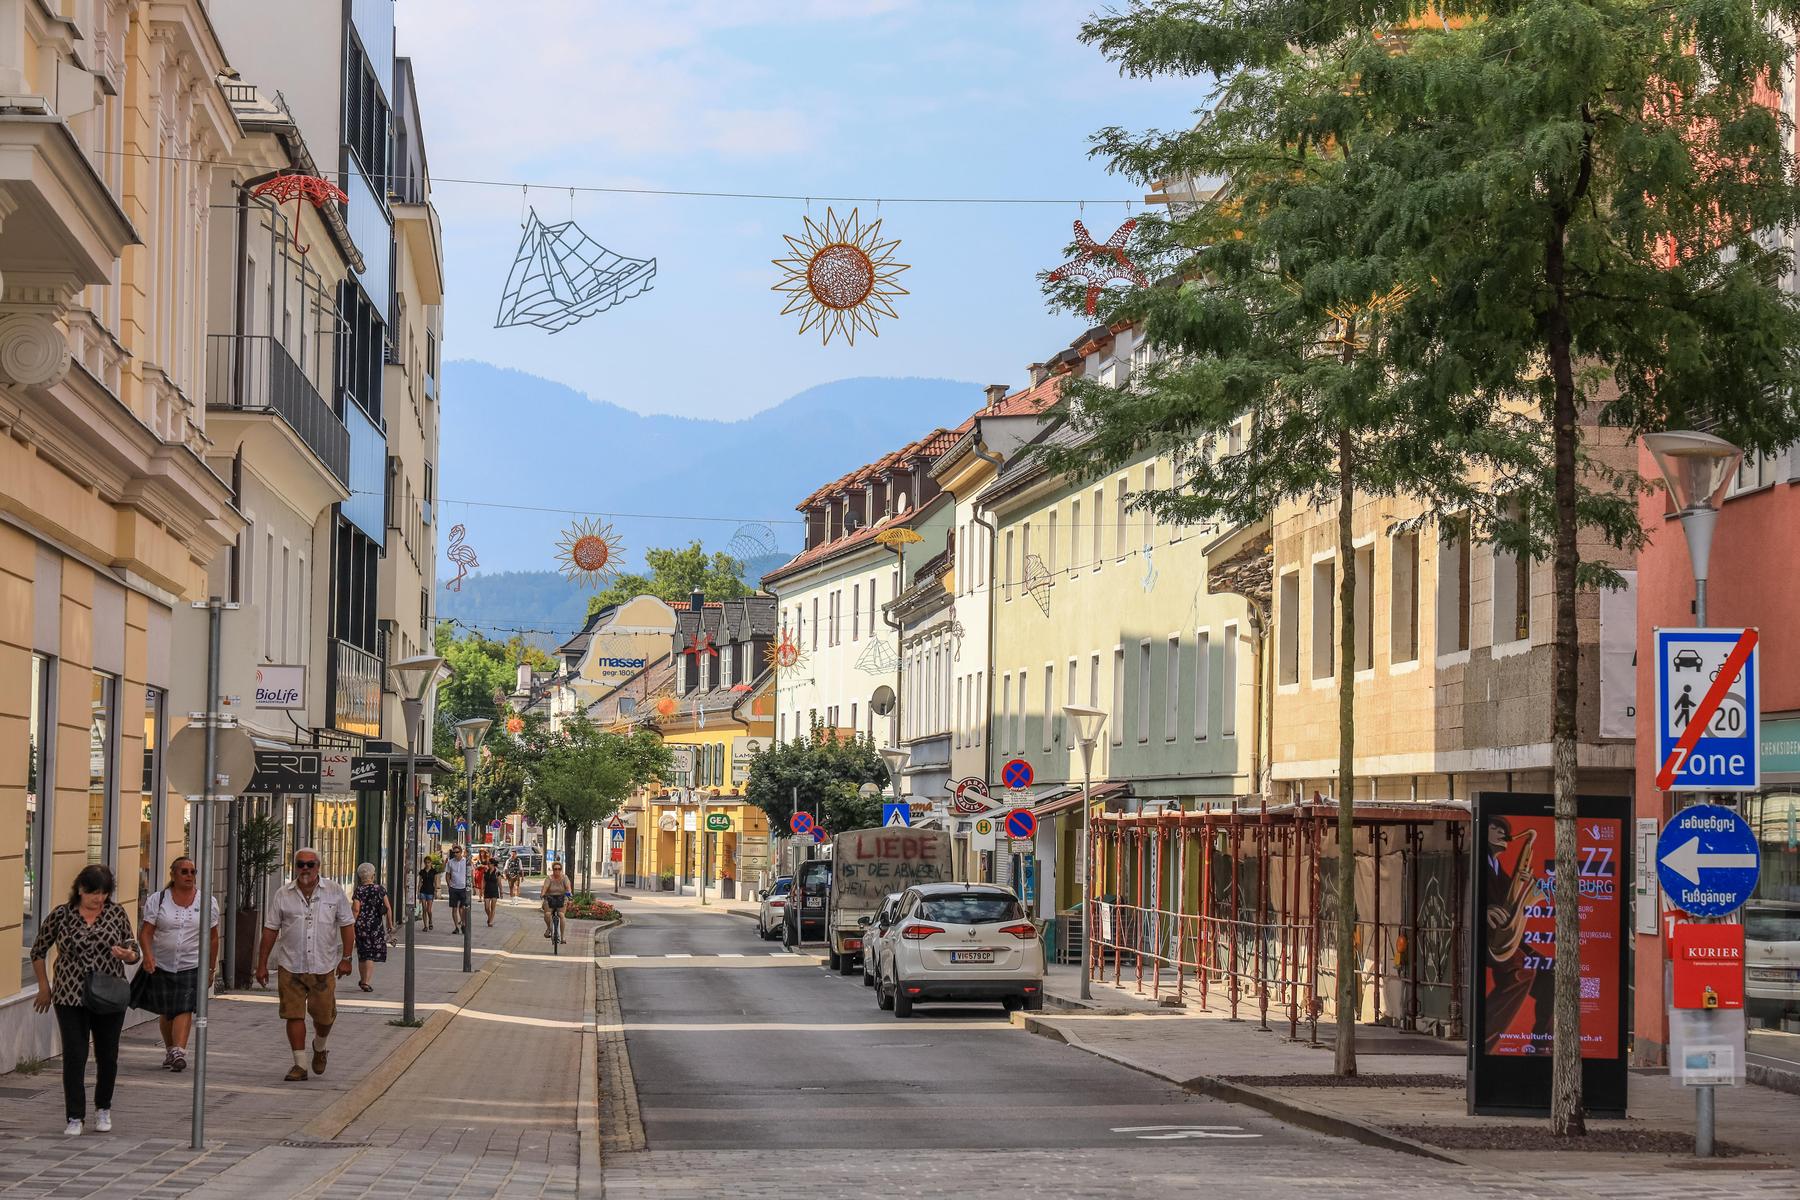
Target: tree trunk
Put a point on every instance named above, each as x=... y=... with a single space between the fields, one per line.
x=1347 y=989
x=1566 y=1117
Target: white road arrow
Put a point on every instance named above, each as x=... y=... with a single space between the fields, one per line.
x=1687 y=861
x=1169 y=1133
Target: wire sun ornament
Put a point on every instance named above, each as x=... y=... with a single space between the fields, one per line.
x=1100 y=263
x=1038 y=581
x=561 y=275
x=515 y=724
x=588 y=552
x=299 y=188
x=877 y=658
x=898 y=537
x=1149 y=581
x=841 y=277
x=667 y=706
x=462 y=555
x=784 y=654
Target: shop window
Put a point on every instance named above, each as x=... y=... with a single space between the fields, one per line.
x=150 y=797
x=102 y=747
x=39 y=789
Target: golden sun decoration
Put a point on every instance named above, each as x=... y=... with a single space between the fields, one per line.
x=588 y=552
x=841 y=277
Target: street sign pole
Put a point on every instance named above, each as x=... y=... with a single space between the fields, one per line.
x=215 y=609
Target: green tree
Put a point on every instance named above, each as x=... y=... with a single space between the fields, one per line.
x=674 y=574
x=824 y=774
x=584 y=773
x=1272 y=316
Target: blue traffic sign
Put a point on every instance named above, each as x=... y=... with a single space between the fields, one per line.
x=1707 y=722
x=818 y=836
x=899 y=814
x=801 y=823
x=462 y=827
x=1707 y=860
x=1021 y=823
x=434 y=827
x=1017 y=774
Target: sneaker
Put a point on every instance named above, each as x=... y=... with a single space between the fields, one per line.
x=318 y=1062
x=295 y=1074
x=169 y=1054
x=103 y=1120
x=72 y=1129
x=180 y=1061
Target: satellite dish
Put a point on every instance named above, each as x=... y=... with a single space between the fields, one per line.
x=234 y=761
x=882 y=702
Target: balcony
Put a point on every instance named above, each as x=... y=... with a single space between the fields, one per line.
x=255 y=374
x=356 y=678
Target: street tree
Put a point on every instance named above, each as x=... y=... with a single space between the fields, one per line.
x=1271 y=313
x=675 y=573
x=585 y=773
x=822 y=774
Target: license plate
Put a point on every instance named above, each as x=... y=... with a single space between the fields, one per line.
x=971 y=956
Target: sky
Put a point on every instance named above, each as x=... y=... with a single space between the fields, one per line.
x=880 y=98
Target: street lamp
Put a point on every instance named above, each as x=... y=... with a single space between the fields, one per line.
x=895 y=757
x=1088 y=722
x=469 y=735
x=1697 y=467
x=413 y=679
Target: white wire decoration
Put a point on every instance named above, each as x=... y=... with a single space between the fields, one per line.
x=561 y=276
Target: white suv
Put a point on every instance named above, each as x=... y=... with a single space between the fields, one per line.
x=960 y=941
x=875 y=931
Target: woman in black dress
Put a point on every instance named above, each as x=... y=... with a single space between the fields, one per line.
x=374 y=921
x=490 y=885
x=428 y=887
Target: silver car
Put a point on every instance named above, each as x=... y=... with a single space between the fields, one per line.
x=960 y=941
x=875 y=931
x=774 y=906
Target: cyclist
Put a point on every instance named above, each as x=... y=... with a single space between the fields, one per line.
x=556 y=891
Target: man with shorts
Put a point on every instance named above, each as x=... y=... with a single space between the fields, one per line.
x=556 y=891
x=456 y=874
x=310 y=932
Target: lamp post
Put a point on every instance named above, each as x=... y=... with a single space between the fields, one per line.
x=895 y=757
x=1088 y=723
x=469 y=736
x=1697 y=468
x=414 y=679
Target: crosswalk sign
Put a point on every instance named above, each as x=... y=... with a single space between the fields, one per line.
x=896 y=815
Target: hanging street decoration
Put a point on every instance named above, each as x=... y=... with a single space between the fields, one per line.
x=1149 y=581
x=667 y=706
x=700 y=645
x=956 y=640
x=841 y=277
x=1037 y=581
x=752 y=541
x=1099 y=263
x=561 y=275
x=785 y=654
x=877 y=658
x=299 y=188
x=515 y=724
x=897 y=537
x=462 y=555
x=588 y=552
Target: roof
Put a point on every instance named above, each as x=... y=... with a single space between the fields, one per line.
x=860 y=538
x=1028 y=402
x=927 y=447
x=1026 y=465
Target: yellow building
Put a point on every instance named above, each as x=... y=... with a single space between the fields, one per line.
x=109 y=514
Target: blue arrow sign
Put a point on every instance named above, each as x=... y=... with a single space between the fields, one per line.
x=899 y=814
x=1690 y=667
x=1707 y=860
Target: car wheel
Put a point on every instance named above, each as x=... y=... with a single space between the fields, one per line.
x=1035 y=1001
x=884 y=999
x=846 y=964
x=1012 y=1004
x=868 y=979
x=903 y=1003
x=833 y=959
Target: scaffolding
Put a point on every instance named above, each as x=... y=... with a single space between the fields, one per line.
x=1241 y=902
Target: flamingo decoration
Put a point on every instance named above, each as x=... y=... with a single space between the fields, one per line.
x=463 y=556
x=283 y=188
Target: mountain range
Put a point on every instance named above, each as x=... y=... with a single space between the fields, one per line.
x=521 y=458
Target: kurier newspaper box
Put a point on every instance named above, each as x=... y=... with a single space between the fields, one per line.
x=1708 y=965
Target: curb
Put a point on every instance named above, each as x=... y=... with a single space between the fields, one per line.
x=346 y=1108
x=1320 y=1120
x=589 y=1167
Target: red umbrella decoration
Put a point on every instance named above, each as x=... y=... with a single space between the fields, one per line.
x=297 y=188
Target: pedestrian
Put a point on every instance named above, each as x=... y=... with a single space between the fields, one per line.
x=93 y=942
x=456 y=874
x=555 y=893
x=480 y=867
x=308 y=931
x=374 y=922
x=428 y=877
x=515 y=871
x=170 y=981
x=490 y=885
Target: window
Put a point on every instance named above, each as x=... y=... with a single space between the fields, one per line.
x=1324 y=612
x=1228 y=697
x=1119 y=518
x=1006 y=577
x=781 y=728
x=815 y=623
x=1025 y=553
x=871 y=606
x=980 y=704
x=1512 y=593
x=1202 y=684
x=1018 y=738
x=39 y=788
x=1049 y=705
x=1287 y=628
x=1118 y=700
x=1050 y=544
x=1364 y=610
x=150 y=796
x=1143 y=691
x=1075 y=533
x=856 y=613
x=1453 y=587
x=1002 y=729
x=1403 y=599
x=1094 y=521
x=962 y=698
x=1093 y=681
x=1149 y=517
x=1172 y=689
x=101 y=750
x=853 y=724
x=1757 y=471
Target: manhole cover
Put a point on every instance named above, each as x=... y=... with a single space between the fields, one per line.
x=297 y=1145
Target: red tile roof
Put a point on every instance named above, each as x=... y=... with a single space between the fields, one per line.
x=849 y=541
x=916 y=449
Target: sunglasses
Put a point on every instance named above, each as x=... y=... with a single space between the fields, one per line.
x=304 y=864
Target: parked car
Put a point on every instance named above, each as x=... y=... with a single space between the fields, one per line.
x=774 y=904
x=874 y=930
x=803 y=920
x=1772 y=961
x=959 y=942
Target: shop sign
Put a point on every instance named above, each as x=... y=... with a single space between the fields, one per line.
x=334 y=770
x=280 y=687
x=1781 y=746
x=279 y=771
x=742 y=750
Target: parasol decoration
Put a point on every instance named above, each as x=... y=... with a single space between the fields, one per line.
x=298 y=188
x=897 y=537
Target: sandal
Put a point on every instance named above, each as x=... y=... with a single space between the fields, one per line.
x=367 y=987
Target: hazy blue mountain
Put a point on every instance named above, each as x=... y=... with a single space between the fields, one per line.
x=513 y=439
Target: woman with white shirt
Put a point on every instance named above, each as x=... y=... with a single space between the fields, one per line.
x=171 y=940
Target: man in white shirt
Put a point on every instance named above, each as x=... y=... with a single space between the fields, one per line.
x=456 y=874
x=311 y=931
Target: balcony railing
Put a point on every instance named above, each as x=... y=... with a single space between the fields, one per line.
x=254 y=373
x=356 y=677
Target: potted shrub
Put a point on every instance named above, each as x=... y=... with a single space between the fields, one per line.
x=666 y=881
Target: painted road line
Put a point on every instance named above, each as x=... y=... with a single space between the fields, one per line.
x=1175 y=1133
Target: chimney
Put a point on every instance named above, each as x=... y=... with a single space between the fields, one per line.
x=1038 y=371
x=697 y=601
x=996 y=392
x=523 y=678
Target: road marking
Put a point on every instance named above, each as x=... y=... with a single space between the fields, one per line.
x=621 y=956
x=678 y=956
x=796 y=1027
x=731 y=956
x=1171 y=1133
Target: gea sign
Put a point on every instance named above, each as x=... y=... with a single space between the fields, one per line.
x=280 y=687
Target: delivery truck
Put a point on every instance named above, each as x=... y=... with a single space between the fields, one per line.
x=868 y=865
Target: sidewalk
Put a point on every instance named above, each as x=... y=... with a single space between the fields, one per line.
x=626 y=900
x=481 y=1097
x=1410 y=1096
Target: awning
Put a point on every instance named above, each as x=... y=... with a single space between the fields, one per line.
x=1068 y=799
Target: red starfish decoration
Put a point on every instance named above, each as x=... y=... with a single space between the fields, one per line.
x=1100 y=262
x=702 y=644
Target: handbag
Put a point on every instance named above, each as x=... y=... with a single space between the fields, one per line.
x=140 y=989
x=105 y=994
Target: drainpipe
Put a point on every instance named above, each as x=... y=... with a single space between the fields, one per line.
x=987 y=701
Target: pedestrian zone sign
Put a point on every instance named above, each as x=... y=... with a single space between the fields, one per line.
x=1707 y=720
x=1707 y=860
x=897 y=815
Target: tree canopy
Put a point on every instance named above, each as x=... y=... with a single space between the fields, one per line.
x=674 y=574
x=825 y=774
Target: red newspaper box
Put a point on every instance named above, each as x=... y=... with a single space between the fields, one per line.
x=1708 y=962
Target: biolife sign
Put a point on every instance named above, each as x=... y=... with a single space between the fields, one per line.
x=280 y=687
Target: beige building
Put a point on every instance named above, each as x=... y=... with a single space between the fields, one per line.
x=109 y=513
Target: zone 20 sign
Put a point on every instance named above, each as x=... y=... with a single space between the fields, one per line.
x=1707 y=701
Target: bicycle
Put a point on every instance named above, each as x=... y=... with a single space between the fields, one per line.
x=556 y=920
